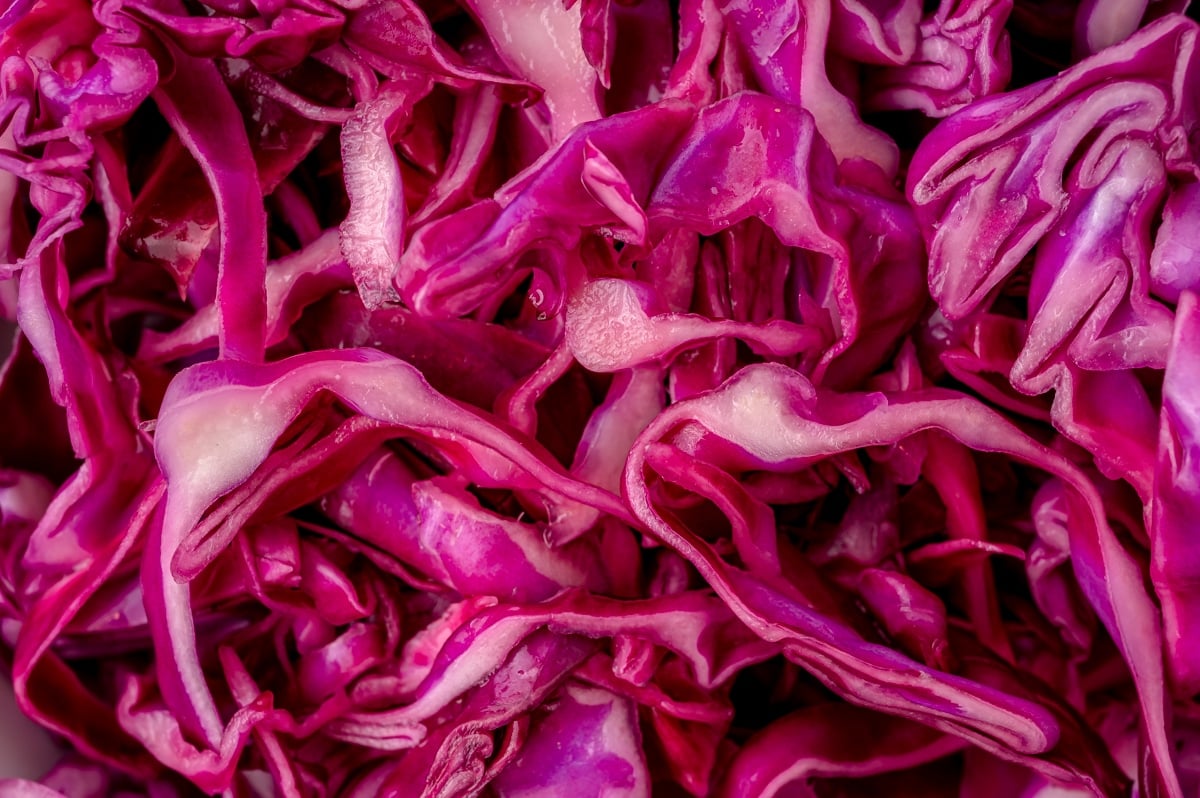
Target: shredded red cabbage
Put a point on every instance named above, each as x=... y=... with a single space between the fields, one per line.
x=601 y=398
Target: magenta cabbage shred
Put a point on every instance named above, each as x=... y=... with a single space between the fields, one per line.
x=602 y=398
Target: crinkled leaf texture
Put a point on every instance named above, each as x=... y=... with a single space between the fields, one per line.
x=523 y=398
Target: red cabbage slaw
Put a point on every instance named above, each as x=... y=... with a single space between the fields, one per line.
x=738 y=398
